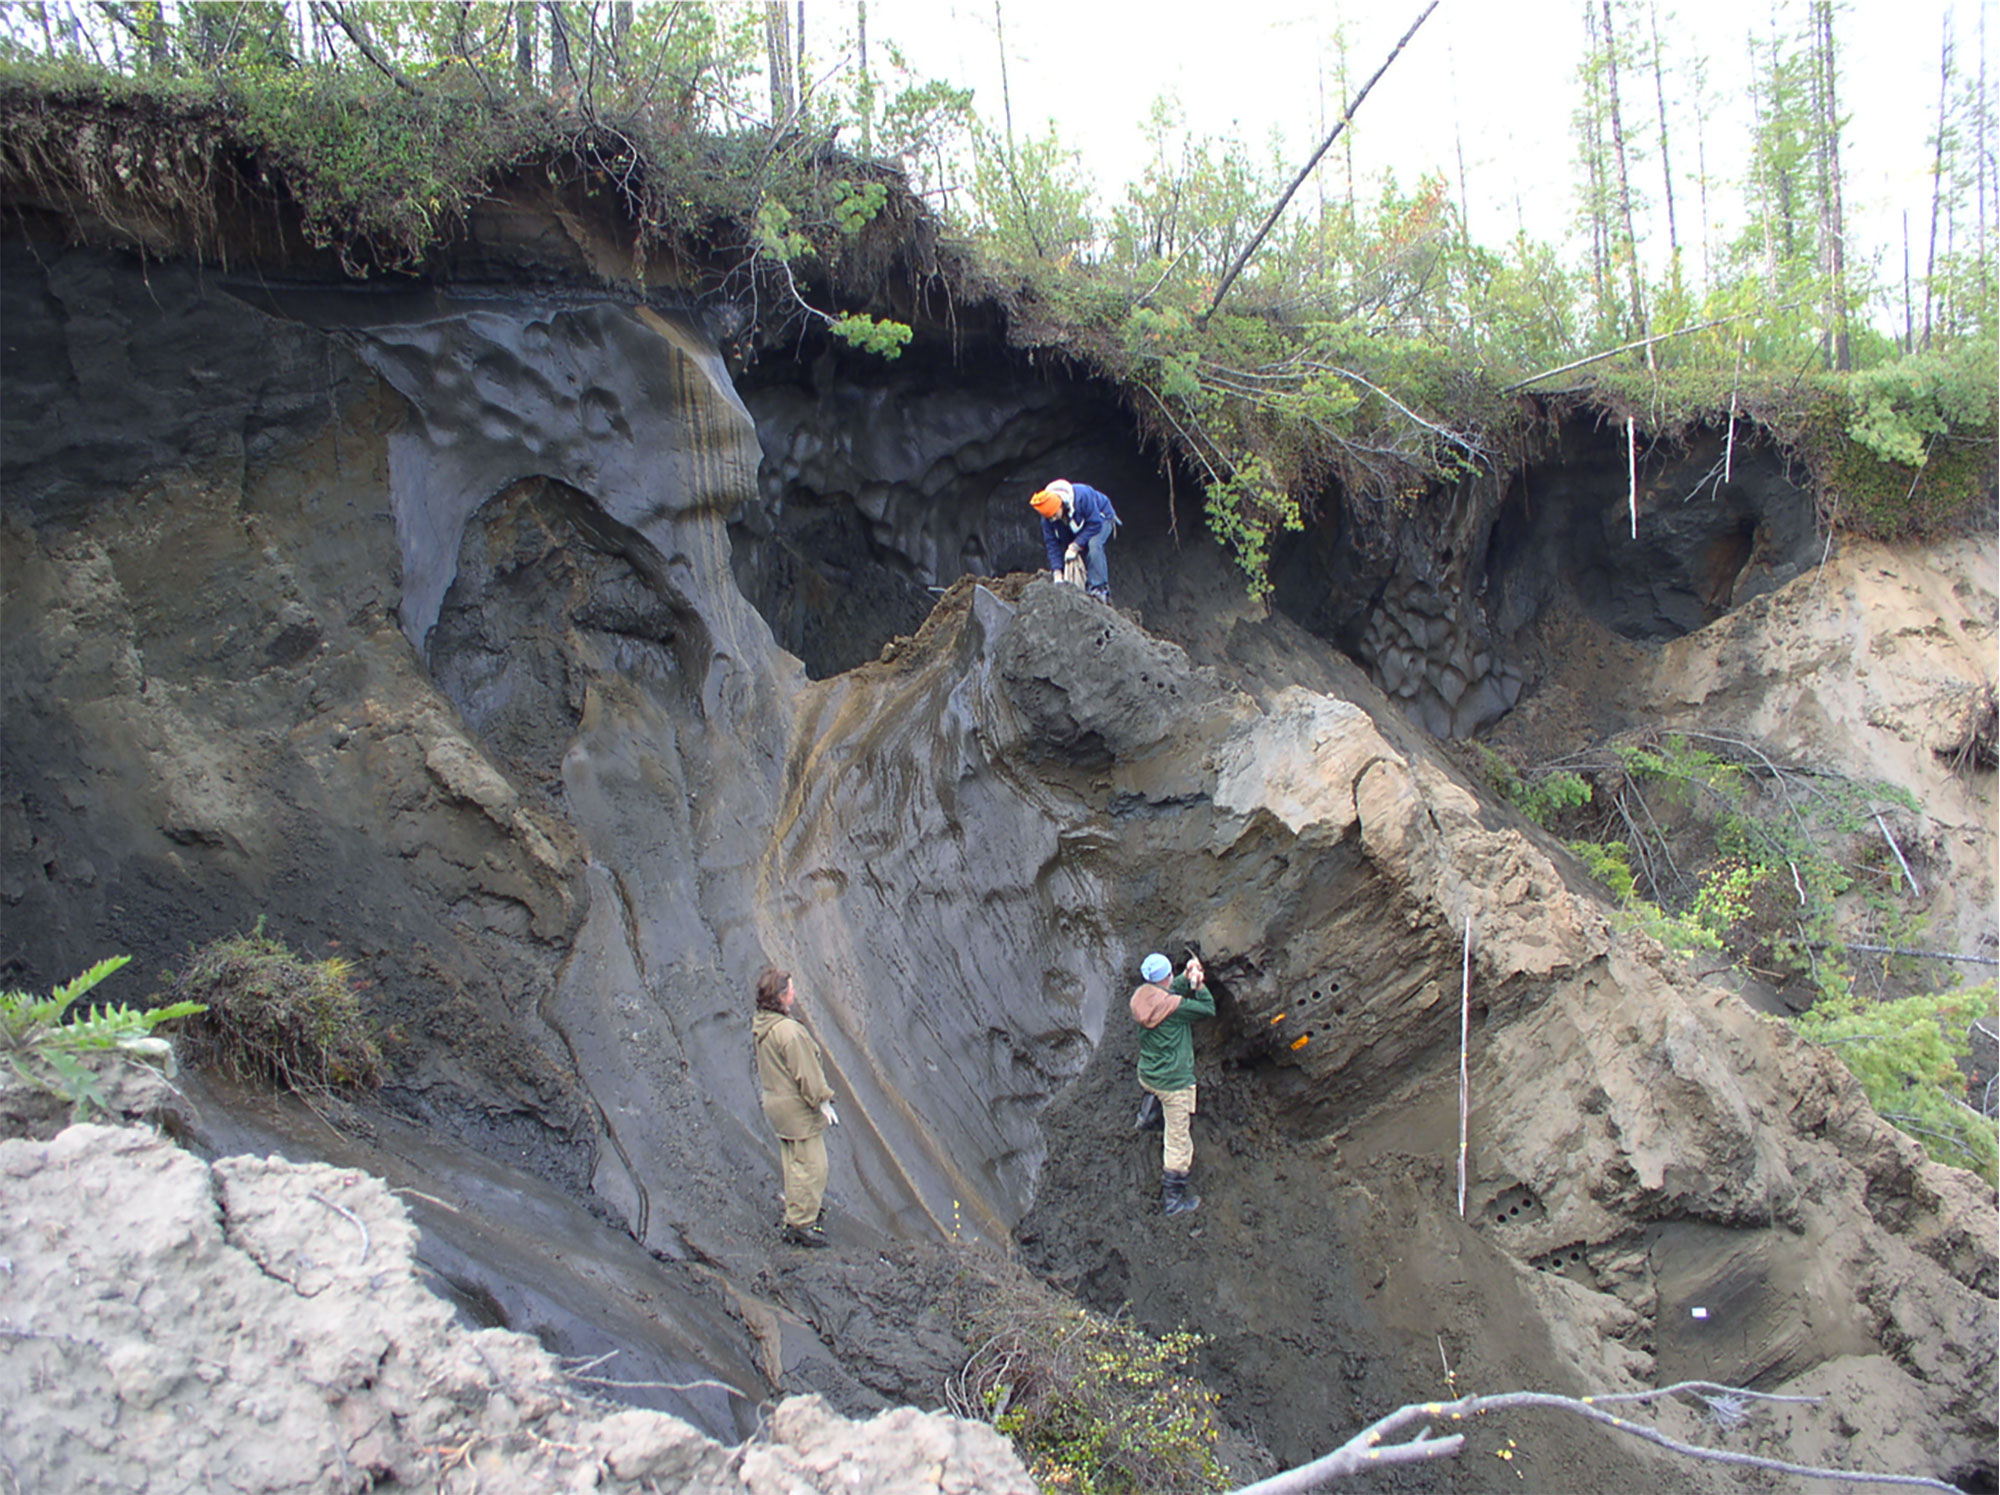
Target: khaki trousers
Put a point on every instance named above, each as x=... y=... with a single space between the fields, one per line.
x=1177 y=1147
x=804 y=1163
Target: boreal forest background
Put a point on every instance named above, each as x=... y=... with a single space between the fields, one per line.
x=1287 y=330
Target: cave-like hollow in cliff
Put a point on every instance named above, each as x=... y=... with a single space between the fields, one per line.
x=882 y=483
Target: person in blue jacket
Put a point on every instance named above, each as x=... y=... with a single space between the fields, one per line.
x=1076 y=521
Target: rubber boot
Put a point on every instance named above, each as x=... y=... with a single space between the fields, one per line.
x=1175 y=1196
x=1151 y=1118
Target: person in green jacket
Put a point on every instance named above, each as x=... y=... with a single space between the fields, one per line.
x=798 y=1103
x=1166 y=1064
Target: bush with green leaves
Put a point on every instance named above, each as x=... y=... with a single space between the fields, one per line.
x=273 y=1016
x=1542 y=795
x=1908 y=1055
x=1092 y=1404
x=48 y=1045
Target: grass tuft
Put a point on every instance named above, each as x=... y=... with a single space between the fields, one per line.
x=274 y=1016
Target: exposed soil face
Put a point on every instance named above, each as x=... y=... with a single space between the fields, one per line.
x=455 y=645
x=1336 y=1281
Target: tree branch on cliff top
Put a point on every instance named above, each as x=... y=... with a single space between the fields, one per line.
x=358 y=34
x=1644 y=342
x=1305 y=171
x=1368 y=1450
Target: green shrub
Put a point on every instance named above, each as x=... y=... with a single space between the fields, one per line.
x=44 y=1045
x=1092 y=1404
x=1907 y=1054
x=276 y=1017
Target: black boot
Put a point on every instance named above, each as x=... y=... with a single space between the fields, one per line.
x=809 y=1236
x=1175 y=1196
x=1151 y=1118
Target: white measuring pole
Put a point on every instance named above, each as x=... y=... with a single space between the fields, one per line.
x=1632 y=472
x=1464 y=1081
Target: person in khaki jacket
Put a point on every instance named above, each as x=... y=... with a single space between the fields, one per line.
x=798 y=1103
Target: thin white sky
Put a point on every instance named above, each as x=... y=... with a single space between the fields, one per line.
x=1497 y=76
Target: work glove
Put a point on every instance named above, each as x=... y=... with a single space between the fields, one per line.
x=1073 y=553
x=1057 y=577
x=832 y=1116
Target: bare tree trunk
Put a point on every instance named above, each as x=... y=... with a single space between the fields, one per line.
x=1006 y=94
x=867 y=99
x=1909 y=320
x=1666 y=161
x=1624 y=176
x=1781 y=109
x=1458 y=140
x=1937 y=174
x=1594 y=168
x=621 y=25
x=1347 y=141
x=1319 y=178
x=524 y=41
x=1834 y=215
x=1701 y=164
x=1951 y=298
x=155 y=27
x=1981 y=110
x=561 y=69
x=1822 y=182
x=778 y=54
x=1767 y=194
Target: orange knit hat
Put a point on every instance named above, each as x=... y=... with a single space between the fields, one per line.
x=1049 y=502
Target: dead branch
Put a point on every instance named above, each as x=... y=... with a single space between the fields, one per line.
x=1305 y=171
x=358 y=1223
x=1898 y=950
x=1908 y=875
x=1639 y=846
x=1368 y=1449
x=1975 y=745
x=358 y=34
x=1644 y=342
x=1476 y=452
x=1192 y=445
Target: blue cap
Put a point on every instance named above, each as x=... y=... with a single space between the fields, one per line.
x=1156 y=968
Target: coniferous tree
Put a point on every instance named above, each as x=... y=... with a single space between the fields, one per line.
x=1630 y=245
x=1699 y=73
x=1833 y=226
x=1666 y=157
x=1942 y=142
x=1590 y=146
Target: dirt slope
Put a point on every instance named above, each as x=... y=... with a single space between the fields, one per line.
x=259 y=1326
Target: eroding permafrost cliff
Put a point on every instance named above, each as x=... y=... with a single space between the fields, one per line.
x=414 y=629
